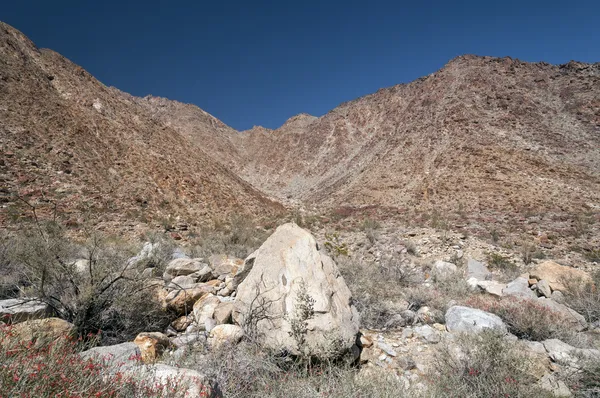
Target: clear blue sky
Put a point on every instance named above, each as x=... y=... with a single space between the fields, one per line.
x=261 y=62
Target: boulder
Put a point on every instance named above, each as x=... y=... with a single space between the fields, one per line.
x=478 y=270
x=223 y=313
x=181 y=282
x=472 y=320
x=42 y=331
x=574 y=319
x=428 y=333
x=243 y=272
x=544 y=288
x=181 y=301
x=115 y=357
x=183 y=266
x=443 y=269
x=204 y=309
x=181 y=323
x=225 y=265
x=519 y=288
x=152 y=345
x=557 y=275
x=564 y=353
x=549 y=382
x=225 y=335
x=19 y=310
x=491 y=287
x=189 y=382
x=286 y=273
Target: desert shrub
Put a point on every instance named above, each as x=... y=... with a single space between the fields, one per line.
x=56 y=370
x=481 y=366
x=375 y=296
x=250 y=372
x=584 y=297
x=438 y=295
x=103 y=291
x=524 y=318
x=529 y=252
x=10 y=274
x=503 y=264
x=334 y=245
x=161 y=253
x=237 y=237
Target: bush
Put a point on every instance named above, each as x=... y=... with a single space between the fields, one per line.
x=103 y=292
x=526 y=319
x=584 y=297
x=56 y=370
x=250 y=372
x=481 y=366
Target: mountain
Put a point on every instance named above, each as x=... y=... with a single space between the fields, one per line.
x=487 y=139
x=481 y=136
x=102 y=155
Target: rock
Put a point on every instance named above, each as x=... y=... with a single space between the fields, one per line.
x=544 y=288
x=225 y=265
x=471 y=320
x=181 y=323
x=204 y=309
x=386 y=348
x=519 y=288
x=19 y=310
x=574 y=319
x=186 y=339
x=406 y=363
x=115 y=357
x=182 y=266
x=532 y=281
x=223 y=313
x=491 y=287
x=288 y=262
x=442 y=269
x=178 y=253
x=182 y=301
x=222 y=335
x=181 y=282
x=190 y=382
x=556 y=275
x=558 y=296
x=558 y=388
x=478 y=270
x=204 y=275
x=562 y=352
x=42 y=331
x=243 y=272
x=152 y=345
x=365 y=341
x=428 y=334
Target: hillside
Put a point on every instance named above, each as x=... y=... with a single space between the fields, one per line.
x=482 y=135
x=101 y=155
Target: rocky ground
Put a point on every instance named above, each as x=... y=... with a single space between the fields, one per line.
x=393 y=302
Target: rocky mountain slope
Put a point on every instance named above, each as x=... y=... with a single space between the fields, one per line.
x=102 y=155
x=482 y=135
x=490 y=139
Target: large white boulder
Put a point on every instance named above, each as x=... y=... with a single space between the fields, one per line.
x=471 y=320
x=268 y=300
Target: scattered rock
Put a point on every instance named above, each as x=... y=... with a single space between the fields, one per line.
x=544 y=288
x=491 y=287
x=19 y=310
x=471 y=320
x=152 y=345
x=557 y=275
x=223 y=313
x=428 y=334
x=443 y=269
x=572 y=317
x=519 y=288
x=478 y=270
x=183 y=266
x=204 y=309
x=181 y=323
x=222 y=335
x=182 y=301
x=42 y=331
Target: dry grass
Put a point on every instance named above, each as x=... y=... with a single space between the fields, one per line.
x=482 y=366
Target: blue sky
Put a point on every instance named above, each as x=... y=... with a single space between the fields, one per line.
x=261 y=62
